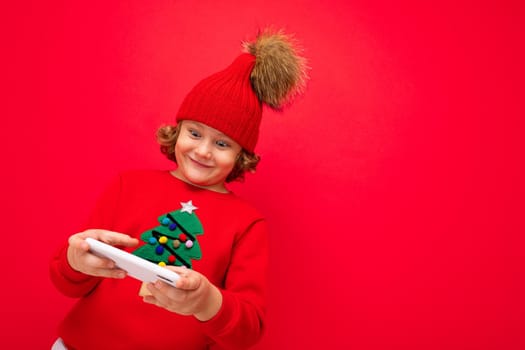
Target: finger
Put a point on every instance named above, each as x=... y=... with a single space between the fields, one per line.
x=104 y=267
x=166 y=296
x=189 y=280
x=159 y=292
x=180 y=270
x=150 y=299
x=117 y=273
x=78 y=241
x=110 y=273
x=120 y=239
x=113 y=238
x=98 y=262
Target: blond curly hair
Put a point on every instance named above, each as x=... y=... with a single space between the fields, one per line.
x=167 y=136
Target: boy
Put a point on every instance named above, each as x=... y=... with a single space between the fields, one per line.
x=219 y=301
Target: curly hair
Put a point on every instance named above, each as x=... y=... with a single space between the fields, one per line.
x=167 y=138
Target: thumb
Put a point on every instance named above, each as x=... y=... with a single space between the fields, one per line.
x=189 y=279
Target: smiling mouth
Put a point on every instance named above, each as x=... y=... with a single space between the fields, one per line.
x=199 y=164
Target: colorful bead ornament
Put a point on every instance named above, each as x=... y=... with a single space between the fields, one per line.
x=174 y=241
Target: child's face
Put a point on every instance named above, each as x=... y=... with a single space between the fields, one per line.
x=205 y=156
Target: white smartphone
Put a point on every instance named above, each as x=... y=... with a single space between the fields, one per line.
x=136 y=267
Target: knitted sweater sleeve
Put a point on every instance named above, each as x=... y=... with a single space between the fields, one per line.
x=67 y=280
x=240 y=321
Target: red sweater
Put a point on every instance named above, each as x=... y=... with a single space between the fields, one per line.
x=111 y=315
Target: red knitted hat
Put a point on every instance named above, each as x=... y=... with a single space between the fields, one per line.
x=231 y=100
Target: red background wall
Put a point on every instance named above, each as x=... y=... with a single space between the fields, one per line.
x=394 y=187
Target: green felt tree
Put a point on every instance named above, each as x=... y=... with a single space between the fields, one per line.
x=174 y=241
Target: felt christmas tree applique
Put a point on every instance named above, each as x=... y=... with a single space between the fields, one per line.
x=174 y=241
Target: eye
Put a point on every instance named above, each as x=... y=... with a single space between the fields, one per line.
x=222 y=144
x=194 y=133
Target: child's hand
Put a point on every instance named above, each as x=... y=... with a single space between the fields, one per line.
x=82 y=260
x=193 y=295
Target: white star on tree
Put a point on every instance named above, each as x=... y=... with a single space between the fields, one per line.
x=187 y=207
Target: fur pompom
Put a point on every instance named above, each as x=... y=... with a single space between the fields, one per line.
x=280 y=73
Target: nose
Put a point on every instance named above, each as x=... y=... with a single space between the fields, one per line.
x=203 y=150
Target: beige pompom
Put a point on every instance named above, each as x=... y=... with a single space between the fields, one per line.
x=280 y=73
